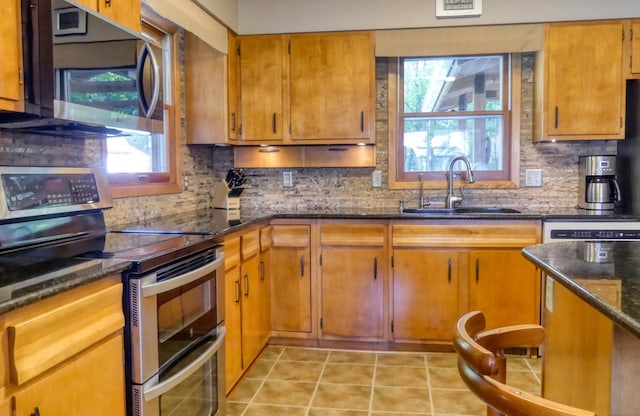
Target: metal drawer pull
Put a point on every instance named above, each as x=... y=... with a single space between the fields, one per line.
x=301 y=266
x=237 y=282
x=477 y=270
x=246 y=285
x=449 y=271
x=274 y=123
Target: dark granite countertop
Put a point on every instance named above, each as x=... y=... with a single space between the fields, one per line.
x=25 y=281
x=220 y=221
x=569 y=263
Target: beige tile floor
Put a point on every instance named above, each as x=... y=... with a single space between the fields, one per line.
x=291 y=381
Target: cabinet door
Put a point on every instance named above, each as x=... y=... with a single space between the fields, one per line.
x=264 y=287
x=585 y=87
x=504 y=286
x=124 y=12
x=352 y=291
x=291 y=278
x=251 y=319
x=205 y=92
x=635 y=49
x=89 y=384
x=11 y=92
x=332 y=86
x=233 y=87
x=232 y=312
x=262 y=80
x=425 y=293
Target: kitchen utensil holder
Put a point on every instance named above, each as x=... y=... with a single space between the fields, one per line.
x=227 y=198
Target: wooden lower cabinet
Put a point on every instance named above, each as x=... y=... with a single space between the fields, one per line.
x=578 y=348
x=505 y=286
x=425 y=293
x=247 y=302
x=442 y=269
x=291 y=280
x=82 y=386
x=353 y=280
x=64 y=354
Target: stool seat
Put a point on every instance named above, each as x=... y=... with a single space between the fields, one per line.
x=482 y=367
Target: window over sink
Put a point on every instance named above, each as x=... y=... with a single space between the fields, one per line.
x=449 y=106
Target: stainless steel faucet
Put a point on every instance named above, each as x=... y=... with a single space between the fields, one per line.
x=421 y=202
x=453 y=200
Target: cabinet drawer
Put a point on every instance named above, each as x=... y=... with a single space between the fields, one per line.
x=45 y=340
x=290 y=236
x=250 y=245
x=231 y=252
x=352 y=234
x=472 y=234
x=265 y=238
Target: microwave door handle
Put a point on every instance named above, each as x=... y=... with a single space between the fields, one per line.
x=147 y=108
x=182 y=375
x=152 y=289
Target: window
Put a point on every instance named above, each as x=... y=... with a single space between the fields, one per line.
x=451 y=106
x=148 y=163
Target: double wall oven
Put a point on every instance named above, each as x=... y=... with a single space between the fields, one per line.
x=172 y=302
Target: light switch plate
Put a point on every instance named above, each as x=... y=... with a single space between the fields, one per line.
x=533 y=177
x=376 y=179
x=287 y=179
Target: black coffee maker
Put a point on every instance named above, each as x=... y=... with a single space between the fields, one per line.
x=599 y=188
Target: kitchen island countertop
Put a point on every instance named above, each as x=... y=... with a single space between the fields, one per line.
x=566 y=263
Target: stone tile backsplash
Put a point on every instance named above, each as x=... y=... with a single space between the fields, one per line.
x=204 y=168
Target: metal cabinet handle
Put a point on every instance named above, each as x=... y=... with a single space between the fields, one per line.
x=362 y=121
x=301 y=267
x=246 y=285
x=262 y=273
x=36 y=412
x=557 y=117
x=274 y=123
x=449 y=271
x=233 y=121
x=477 y=270
x=107 y=3
x=375 y=268
x=237 y=282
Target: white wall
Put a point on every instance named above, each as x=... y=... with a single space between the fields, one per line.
x=282 y=16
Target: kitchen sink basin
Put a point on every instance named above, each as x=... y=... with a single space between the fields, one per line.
x=461 y=210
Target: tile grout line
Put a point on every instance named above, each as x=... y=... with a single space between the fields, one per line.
x=264 y=379
x=373 y=381
x=315 y=388
x=432 y=408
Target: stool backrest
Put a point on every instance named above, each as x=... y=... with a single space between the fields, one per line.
x=479 y=353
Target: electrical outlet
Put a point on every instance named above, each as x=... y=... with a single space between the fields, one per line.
x=533 y=177
x=376 y=179
x=287 y=179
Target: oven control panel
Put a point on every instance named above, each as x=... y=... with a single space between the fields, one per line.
x=27 y=191
x=595 y=234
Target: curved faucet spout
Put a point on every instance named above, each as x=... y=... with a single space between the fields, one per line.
x=452 y=200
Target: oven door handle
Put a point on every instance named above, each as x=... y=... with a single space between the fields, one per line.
x=161 y=388
x=152 y=289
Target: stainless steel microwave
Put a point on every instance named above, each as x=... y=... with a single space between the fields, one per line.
x=85 y=76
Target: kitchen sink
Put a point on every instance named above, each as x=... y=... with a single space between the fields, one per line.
x=461 y=210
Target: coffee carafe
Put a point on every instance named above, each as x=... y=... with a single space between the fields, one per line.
x=599 y=189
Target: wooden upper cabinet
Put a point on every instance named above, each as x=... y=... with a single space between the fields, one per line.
x=233 y=87
x=304 y=89
x=205 y=92
x=124 y=12
x=332 y=79
x=11 y=91
x=584 y=84
x=262 y=79
x=632 y=43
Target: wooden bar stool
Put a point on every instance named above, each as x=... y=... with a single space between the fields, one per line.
x=482 y=366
